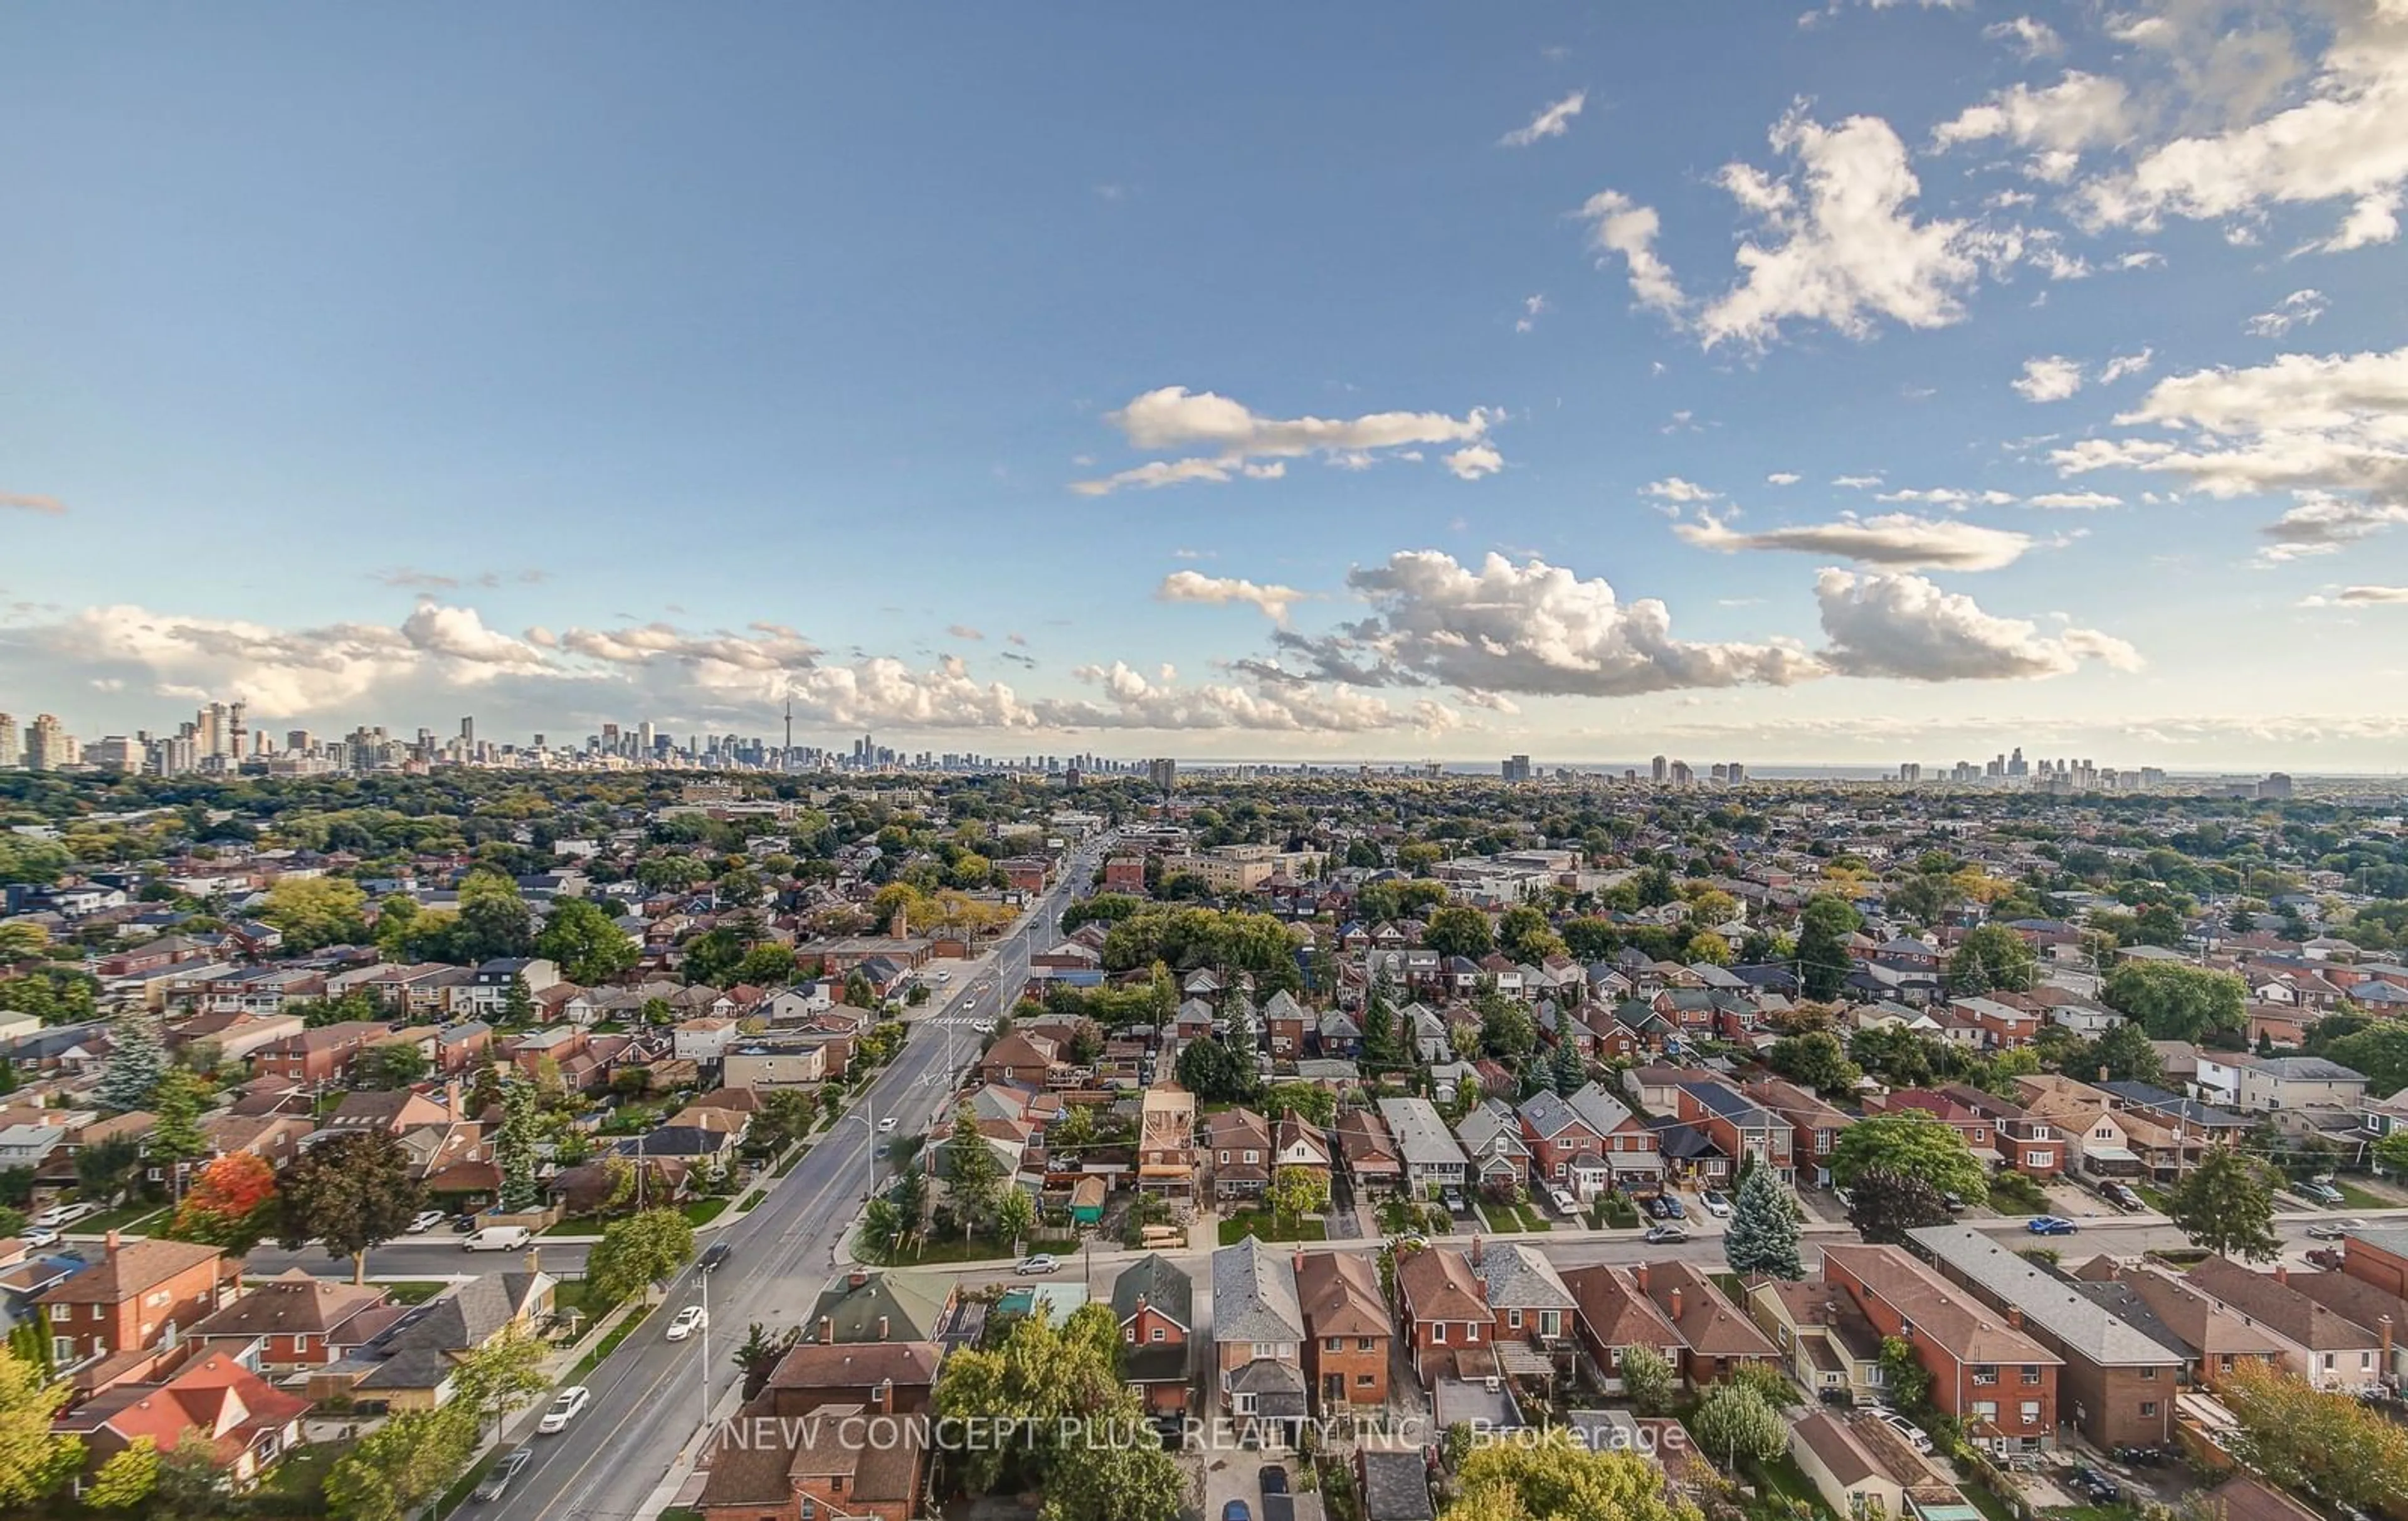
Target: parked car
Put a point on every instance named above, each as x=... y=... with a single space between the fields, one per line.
x=1847 y=1201
x=39 y=1236
x=1655 y=1207
x=60 y=1216
x=2094 y=1485
x=1672 y=1209
x=1954 y=1200
x=689 y=1320
x=497 y=1478
x=498 y=1239
x=2333 y=1230
x=1273 y=1480
x=566 y=1407
x=1453 y=1199
x=2050 y=1225
x=1563 y=1201
x=2321 y=1190
x=1716 y=1205
x=1910 y=1433
x=944 y=977
x=719 y=1251
x=2120 y=1196
x=1236 y=1510
x=424 y=1221
x=1658 y=1235
x=1042 y=1262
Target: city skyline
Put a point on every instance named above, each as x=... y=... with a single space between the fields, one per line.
x=1942 y=380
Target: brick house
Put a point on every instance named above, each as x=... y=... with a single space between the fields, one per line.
x=2028 y=1143
x=1258 y=1335
x=139 y=1296
x=2118 y=1383
x=297 y=1321
x=1614 y=1313
x=1154 y=1304
x=1814 y=1126
x=1444 y=1307
x=1238 y=1149
x=324 y=1054
x=1348 y=1336
x=1985 y=1372
x=1739 y=1127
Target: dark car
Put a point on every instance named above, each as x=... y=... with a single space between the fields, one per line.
x=1236 y=1510
x=1655 y=1207
x=1672 y=1209
x=2099 y=1488
x=1273 y=1479
x=462 y=1224
x=718 y=1253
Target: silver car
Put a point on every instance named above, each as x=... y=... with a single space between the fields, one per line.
x=499 y=1477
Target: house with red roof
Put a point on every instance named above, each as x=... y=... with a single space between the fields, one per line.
x=248 y=1422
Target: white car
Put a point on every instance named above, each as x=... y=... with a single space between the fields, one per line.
x=1563 y=1201
x=689 y=1320
x=1914 y=1435
x=59 y=1216
x=1042 y=1263
x=40 y=1236
x=424 y=1221
x=570 y=1404
x=886 y=1126
x=944 y=977
x=984 y=1026
x=1715 y=1204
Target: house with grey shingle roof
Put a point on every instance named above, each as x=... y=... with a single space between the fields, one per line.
x=1491 y=1136
x=1526 y=1294
x=2118 y=1384
x=1258 y=1333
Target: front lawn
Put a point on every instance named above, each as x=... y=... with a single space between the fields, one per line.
x=1237 y=1227
x=128 y=1218
x=416 y=1292
x=2355 y=1198
x=702 y=1211
x=301 y=1473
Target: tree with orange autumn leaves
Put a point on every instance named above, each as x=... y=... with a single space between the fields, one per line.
x=230 y=1204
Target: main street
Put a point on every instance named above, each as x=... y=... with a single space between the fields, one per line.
x=651 y=1394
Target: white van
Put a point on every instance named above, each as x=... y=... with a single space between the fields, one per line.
x=497 y=1239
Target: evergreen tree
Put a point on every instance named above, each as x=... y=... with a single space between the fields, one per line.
x=1571 y=1073
x=176 y=1139
x=514 y=1148
x=2225 y=1206
x=518 y=1004
x=1763 y=1234
x=136 y=1062
x=972 y=1170
x=1823 y=959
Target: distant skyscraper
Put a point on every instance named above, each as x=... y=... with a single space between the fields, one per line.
x=1682 y=776
x=1517 y=768
x=644 y=742
x=46 y=746
x=1738 y=773
x=1163 y=772
x=1663 y=770
x=12 y=749
x=469 y=734
x=2275 y=785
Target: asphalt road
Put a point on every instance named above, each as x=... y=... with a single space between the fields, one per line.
x=650 y=1395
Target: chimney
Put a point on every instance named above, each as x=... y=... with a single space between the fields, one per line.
x=1676 y=1304
x=886 y=1397
x=111 y=1240
x=858 y=1278
x=1475 y=1250
x=827 y=1329
x=534 y=1259
x=1830 y=1311
x=1639 y=1275
x=1141 y=1298
x=1298 y=1262
x=451 y=1097
x=882 y=1328
x=2282 y=1273
x=2015 y=1317
x=2383 y=1324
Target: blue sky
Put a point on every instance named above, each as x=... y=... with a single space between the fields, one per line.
x=620 y=362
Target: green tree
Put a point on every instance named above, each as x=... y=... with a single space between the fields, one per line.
x=1735 y=1422
x=518 y=1002
x=314 y=912
x=2304 y=1438
x=175 y=1138
x=352 y=1192
x=105 y=1169
x=760 y=1353
x=973 y=1175
x=505 y=1374
x=391 y=1067
x=1556 y=1478
x=1992 y=958
x=1824 y=962
x=1122 y=1475
x=1904 y=1376
x=1897 y=1055
x=1015 y=1216
x=494 y=920
x=1884 y=1204
x=2126 y=1054
x=1524 y=933
x=639 y=1252
x=2380 y=1050
x=34 y=1462
x=1507 y=1030
x=1913 y=1144
x=1816 y=1059
x=585 y=942
x=2177 y=1002
x=401 y=1465
x=514 y=1148
x=2391 y=1153
x=2224 y=1206
x=1762 y=1239
x=127 y=1479
x=1648 y=1377
x=1458 y=930
x=136 y=1062
x=1214 y=1074
x=1296 y=1192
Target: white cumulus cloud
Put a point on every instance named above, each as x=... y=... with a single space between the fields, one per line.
x=2051 y=379
x=1622 y=227
x=1274 y=602
x=1902 y=625
x=1239 y=442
